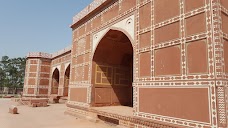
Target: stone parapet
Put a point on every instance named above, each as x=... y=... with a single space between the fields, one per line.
x=47 y=55
x=95 y=4
x=60 y=52
x=39 y=55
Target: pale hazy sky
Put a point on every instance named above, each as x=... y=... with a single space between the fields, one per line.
x=36 y=25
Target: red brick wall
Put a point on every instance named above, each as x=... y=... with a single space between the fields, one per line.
x=60 y=62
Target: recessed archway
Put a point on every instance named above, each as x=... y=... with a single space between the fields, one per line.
x=55 y=82
x=66 y=81
x=112 y=71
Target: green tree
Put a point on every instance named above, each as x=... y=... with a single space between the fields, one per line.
x=12 y=72
x=2 y=76
x=3 y=65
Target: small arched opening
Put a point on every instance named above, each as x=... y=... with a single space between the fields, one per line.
x=55 y=82
x=66 y=81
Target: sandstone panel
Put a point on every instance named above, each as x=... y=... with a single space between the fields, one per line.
x=145 y=64
x=44 y=82
x=88 y=26
x=168 y=61
x=96 y=22
x=46 y=63
x=197 y=61
x=226 y=55
x=193 y=4
x=224 y=3
x=87 y=45
x=45 y=69
x=32 y=74
x=44 y=75
x=86 y=73
x=145 y=16
x=195 y=24
x=33 y=68
x=31 y=81
x=72 y=74
x=80 y=59
x=113 y=12
x=75 y=34
x=87 y=57
x=81 y=30
x=126 y=5
x=185 y=103
x=33 y=62
x=74 y=61
x=121 y=96
x=115 y=95
x=103 y=95
x=30 y=91
x=171 y=33
x=74 y=46
x=145 y=40
x=78 y=94
x=78 y=73
x=224 y=23
x=43 y=91
x=164 y=9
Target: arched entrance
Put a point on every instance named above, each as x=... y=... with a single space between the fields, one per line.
x=55 y=82
x=112 y=71
x=66 y=81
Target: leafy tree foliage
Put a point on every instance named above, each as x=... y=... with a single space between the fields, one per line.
x=12 y=71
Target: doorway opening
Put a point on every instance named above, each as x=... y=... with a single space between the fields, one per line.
x=66 y=81
x=55 y=82
x=112 y=72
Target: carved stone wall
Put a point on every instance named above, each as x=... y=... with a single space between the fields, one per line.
x=61 y=63
x=180 y=65
x=37 y=75
x=39 y=72
x=222 y=46
x=179 y=51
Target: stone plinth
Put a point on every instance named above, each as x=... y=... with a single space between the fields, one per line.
x=38 y=102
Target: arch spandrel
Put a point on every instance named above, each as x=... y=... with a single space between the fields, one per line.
x=66 y=65
x=56 y=67
x=127 y=26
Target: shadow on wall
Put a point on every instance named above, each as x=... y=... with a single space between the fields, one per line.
x=113 y=71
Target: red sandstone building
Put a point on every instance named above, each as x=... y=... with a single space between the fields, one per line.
x=166 y=60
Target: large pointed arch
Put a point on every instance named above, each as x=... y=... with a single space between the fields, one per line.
x=102 y=34
x=55 y=81
x=66 y=81
x=112 y=70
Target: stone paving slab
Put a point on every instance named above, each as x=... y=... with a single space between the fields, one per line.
x=121 y=110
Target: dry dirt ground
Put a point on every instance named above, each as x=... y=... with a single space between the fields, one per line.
x=42 y=117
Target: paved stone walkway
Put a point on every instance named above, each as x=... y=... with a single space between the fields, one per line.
x=42 y=117
x=122 y=110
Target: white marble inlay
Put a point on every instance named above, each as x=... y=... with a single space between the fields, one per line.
x=128 y=25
